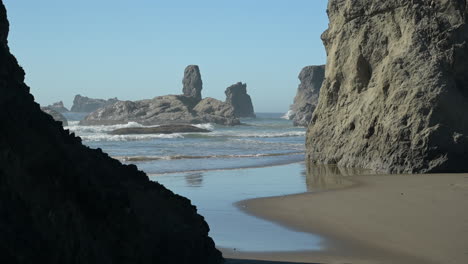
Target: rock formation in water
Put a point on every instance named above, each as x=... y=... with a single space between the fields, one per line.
x=57 y=116
x=192 y=82
x=306 y=100
x=168 y=109
x=58 y=106
x=88 y=105
x=62 y=202
x=237 y=97
x=395 y=94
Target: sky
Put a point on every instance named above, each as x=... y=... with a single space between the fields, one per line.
x=139 y=49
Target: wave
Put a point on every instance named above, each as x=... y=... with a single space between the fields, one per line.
x=288 y=115
x=106 y=137
x=181 y=157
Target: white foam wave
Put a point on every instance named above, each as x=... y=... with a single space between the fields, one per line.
x=183 y=157
x=106 y=137
x=207 y=126
x=272 y=134
x=288 y=115
x=75 y=127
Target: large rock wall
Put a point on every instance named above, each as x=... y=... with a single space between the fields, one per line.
x=395 y=94
x=306 y=100
x=62 y=202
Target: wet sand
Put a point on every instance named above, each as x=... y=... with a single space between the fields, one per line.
x=379 y=219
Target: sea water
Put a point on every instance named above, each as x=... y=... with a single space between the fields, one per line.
x=263 y=157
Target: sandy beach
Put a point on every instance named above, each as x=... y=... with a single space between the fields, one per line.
x=379 y=219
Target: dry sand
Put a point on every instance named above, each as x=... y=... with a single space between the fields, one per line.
x=381 y=219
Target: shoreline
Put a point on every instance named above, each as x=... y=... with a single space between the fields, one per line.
x=380 y=218
x=226 y=169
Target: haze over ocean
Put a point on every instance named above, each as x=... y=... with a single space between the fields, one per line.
x=139 y=49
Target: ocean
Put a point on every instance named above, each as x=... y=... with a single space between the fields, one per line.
x=263 y=157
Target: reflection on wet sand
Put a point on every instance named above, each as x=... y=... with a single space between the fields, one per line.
x=328 y=177
x=194 y=179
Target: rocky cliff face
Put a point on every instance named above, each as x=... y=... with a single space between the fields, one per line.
x=58 y=106
x=307 y=96
x=237 y=97
x=57 y=116
x=62 y=202
x=395 y=94
x=192 y=82
x=88 y=105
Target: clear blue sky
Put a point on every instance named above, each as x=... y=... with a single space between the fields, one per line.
x=138 y=49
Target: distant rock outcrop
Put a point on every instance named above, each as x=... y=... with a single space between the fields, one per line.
x=237 y=97
x=192 y=82
x=63 y=202
x=55 y=114
x=168 y=109
x=88 y=105
x=395 y=94
x=58 y=106
x=307 y=96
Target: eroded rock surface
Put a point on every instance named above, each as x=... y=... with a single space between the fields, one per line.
x=237 y=97
x=307 y=95
x=192 y=82
x=88 y=105
x=395 y=94
x=57 y=116
x=62 y=202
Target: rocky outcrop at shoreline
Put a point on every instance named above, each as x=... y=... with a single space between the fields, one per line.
x=63 y=202
x=88 y=105
x=237 y=97
x=307 y=95
x=173 y=109
x=395 y=94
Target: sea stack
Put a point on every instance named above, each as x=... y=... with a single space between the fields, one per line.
x=306 y=100
x=87 y=105
x=192 y=83
x=395 y=94
x=237 y=97
x=63 y=202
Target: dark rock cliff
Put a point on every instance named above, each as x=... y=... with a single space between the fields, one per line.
x=307 y=95
x=88 y=105
x=237 y=97
x=395 y=94
x=57 y=116
x=61 y=202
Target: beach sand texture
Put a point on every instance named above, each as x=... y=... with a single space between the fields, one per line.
x=379 y=219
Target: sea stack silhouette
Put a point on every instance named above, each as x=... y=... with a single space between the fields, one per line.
x=306 y=100
x=62 y=202
x=395 y=94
